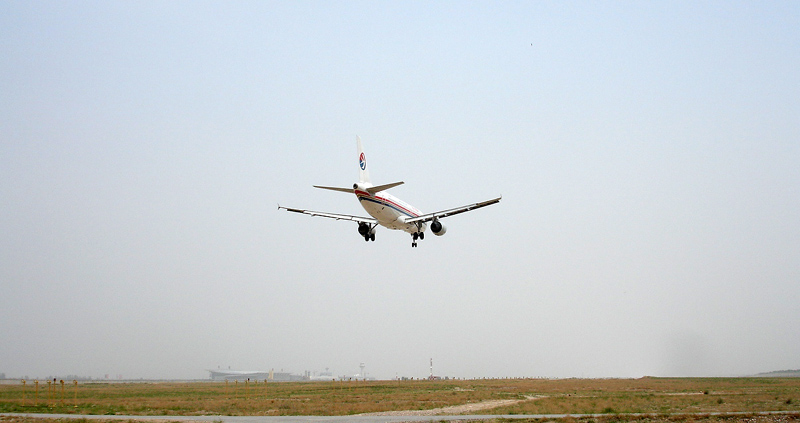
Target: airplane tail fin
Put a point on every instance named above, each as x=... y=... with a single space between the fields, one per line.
x=363 y=172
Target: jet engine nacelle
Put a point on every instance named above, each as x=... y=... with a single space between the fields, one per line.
x=437 y=228
x=365 y=229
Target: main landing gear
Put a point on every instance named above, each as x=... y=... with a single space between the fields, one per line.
x=367 y=231
x=415 y=236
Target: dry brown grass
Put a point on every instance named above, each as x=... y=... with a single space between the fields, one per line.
x=29 y=419
x=703 y=418
x=568 y=396
x=660 y=395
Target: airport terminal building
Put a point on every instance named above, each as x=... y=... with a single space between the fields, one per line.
x=255 y=375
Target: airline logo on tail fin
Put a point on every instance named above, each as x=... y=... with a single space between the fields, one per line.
x=363 y=172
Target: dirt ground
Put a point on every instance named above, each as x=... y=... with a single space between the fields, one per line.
x=452 y=410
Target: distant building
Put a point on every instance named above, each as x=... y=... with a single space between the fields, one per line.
x=255 y=375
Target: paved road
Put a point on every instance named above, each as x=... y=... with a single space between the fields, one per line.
x=337 y=419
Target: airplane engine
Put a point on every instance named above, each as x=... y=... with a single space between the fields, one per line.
x=437 y=228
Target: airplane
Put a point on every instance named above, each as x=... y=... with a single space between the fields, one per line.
x=387 y=210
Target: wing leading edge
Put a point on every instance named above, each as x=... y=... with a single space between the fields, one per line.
x=331 y=215
x=444 y=213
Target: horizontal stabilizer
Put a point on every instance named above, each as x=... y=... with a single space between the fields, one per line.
x=379 y=188
x=349 y=190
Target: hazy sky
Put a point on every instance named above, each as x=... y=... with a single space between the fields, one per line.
x=648 y=154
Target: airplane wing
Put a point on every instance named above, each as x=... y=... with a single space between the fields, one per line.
x=331 y=215
x=444 y=213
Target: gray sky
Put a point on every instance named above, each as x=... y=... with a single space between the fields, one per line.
x=648 y=154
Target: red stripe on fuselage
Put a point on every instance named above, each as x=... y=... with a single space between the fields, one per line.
x=385 y=200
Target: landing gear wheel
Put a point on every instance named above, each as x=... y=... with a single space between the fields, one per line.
x=415 y=235
x=422 y=235
x=366 y=237
x=372 y=237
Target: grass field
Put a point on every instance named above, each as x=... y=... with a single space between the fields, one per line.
x=658 y=396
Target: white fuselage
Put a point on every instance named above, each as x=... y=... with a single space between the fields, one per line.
x=389 y=210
